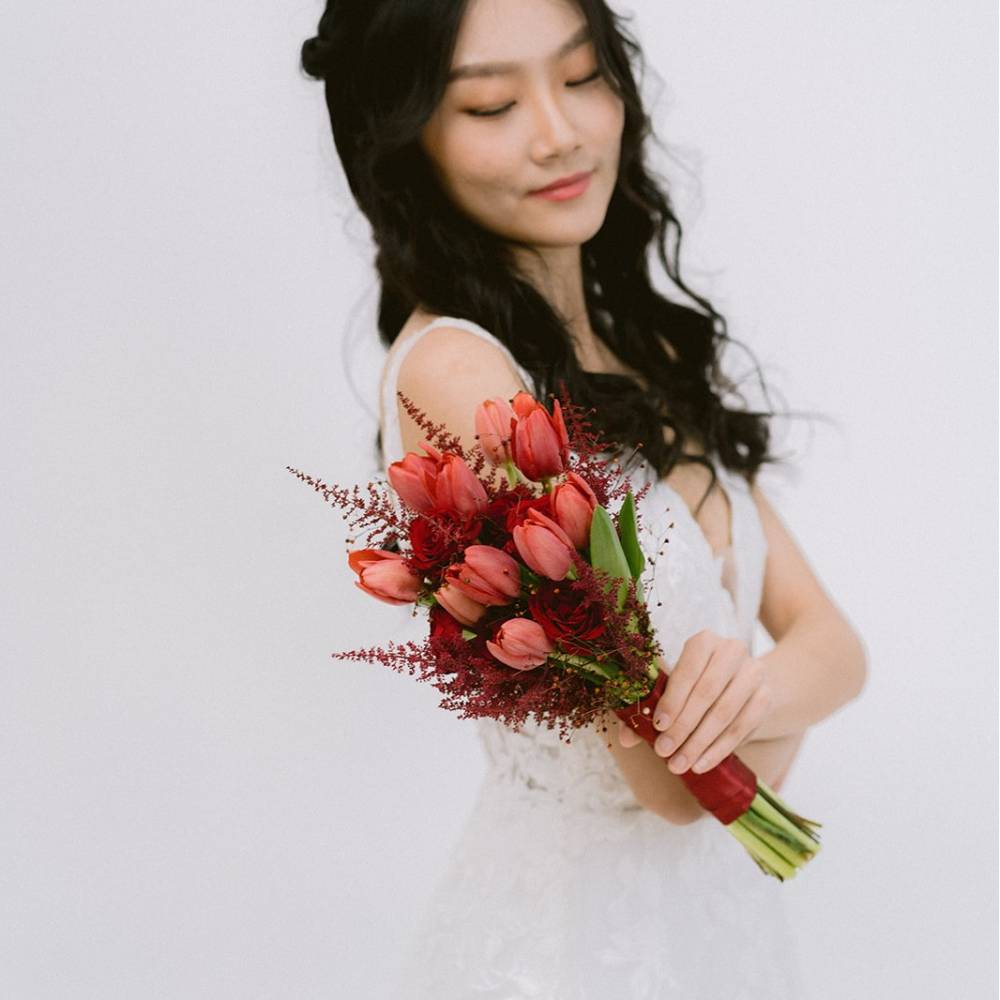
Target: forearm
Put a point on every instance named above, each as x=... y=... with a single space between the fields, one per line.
x=663 y=792
x=816 y=667
x=771 y=760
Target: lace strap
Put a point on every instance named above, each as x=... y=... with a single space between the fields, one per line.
x=392 y=443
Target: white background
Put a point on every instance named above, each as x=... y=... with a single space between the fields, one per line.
x=195 y=799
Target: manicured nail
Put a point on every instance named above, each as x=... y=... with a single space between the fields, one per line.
x=661 y=722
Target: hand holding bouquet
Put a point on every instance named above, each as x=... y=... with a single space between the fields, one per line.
x=534 y=593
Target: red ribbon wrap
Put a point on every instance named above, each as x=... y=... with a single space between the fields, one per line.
x=726 y=791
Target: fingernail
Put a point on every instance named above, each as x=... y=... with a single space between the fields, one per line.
x=678 y=764
x=664 y=744
x=661 y=722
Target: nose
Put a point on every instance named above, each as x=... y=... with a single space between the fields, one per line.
x=555 y=135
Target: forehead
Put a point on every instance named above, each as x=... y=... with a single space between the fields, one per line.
x=502 y=38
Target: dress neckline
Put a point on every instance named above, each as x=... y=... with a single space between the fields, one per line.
x=716 y=560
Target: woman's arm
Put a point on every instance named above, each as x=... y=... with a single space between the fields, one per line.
x=819 y=662
x=661 y=791
x=771 y=760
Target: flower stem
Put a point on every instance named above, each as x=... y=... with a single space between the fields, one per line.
x=513 y=475
x=760 y=850
x=573 y=660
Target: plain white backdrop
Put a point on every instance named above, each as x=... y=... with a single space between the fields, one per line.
x=196 y=800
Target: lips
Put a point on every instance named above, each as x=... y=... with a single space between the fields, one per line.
x=567 y=181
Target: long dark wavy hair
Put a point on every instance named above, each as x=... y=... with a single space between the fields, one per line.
x=385 y=64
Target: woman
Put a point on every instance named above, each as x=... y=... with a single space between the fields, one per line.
x=585 y=870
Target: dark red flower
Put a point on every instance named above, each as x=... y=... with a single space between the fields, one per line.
x=443 y=626
x=506 y=509
x=569 y=617
x=431 y=545
x=506 y=512
x=518 y=511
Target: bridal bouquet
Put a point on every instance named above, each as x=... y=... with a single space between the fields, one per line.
x=532 y=585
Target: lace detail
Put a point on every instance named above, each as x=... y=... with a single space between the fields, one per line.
x=561 y=886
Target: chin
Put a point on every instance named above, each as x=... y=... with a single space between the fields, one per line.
x=565 y=232
x=572 y=227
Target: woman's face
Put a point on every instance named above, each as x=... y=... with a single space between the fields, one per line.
x=537 y=114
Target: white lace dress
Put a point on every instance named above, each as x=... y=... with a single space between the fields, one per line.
x=561 y=886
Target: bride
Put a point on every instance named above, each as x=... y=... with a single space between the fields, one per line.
x=497 y=148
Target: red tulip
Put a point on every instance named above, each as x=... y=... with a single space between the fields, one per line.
x=493 y=427
x=520 y=643
x=458 y=488
x=459 y=605
x=384 y=575
x=539 y=443
x=413 y=478
x=573 y=504
x=543 y=545
x=443 y=626
x=436 y=483
x=487 y=575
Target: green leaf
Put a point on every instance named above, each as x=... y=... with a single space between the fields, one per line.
x=606 y=551
x=630 y=537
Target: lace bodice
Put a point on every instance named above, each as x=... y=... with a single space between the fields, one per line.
x=561 y=886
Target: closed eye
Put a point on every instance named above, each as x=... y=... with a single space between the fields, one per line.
x=586 y=79
x=499 y=111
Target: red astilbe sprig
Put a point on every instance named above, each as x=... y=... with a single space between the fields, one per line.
x=375 y=515
x=438 y=436
x=628 y=639
x=374 y=511
x=479 y=686
x=594 y=461
x=476 y=685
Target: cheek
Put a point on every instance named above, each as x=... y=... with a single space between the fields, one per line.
x=607 y=121
x=466 y=161
x=478 y=162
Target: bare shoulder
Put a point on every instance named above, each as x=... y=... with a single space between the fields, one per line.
x=446 y=374
x=452 y=350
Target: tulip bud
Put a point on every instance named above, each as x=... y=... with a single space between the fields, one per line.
x=539 y=443
x=521 y=643
x=493 y=427
x=413 y=478
x=543 y=545
x=385 y=575
x=457 y=488
x=573 y=504
x=459 y=605
x=487 y=575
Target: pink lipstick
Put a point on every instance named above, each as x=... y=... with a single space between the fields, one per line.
x=566 y=187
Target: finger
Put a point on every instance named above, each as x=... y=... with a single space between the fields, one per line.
x=734 y=734
x=729 y=706
x=683 y=677
x=627 y=736
x=721 y=667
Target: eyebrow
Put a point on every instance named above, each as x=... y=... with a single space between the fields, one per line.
x=578 y=38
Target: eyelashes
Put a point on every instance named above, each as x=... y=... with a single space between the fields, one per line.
x=495 y=112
